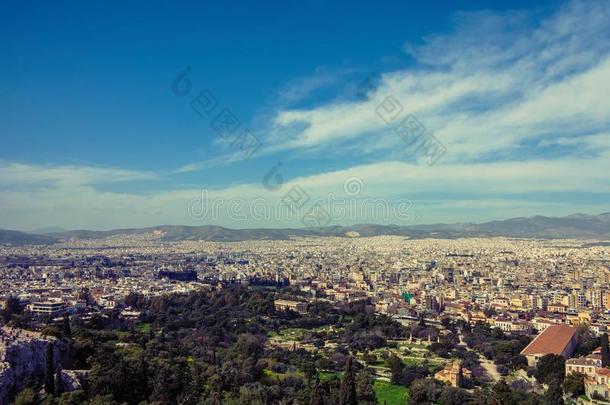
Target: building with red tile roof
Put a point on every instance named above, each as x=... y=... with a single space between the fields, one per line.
x=555 y=339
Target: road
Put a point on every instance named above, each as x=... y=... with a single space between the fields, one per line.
x=487 y=365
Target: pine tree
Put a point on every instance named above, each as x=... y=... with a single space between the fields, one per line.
x=605 y=350
x=348 y=384
x=554 y=394
x=49 y=378
x=11 y=307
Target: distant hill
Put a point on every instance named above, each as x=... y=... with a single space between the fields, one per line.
x=576 y=226
x=17 y=238
x=48 y=230
x=180 y=232
x=219 y=233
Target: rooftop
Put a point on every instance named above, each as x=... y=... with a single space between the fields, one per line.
x=583 y=361
x=553 y=340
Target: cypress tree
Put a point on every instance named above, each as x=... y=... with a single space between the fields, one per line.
x=49 y=378
x=66 y=329
x=316 y=394
x=58 y=384
x=605 y=350
x=348 y=384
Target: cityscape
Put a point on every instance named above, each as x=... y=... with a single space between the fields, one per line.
x=433 y=291
x=305 y=203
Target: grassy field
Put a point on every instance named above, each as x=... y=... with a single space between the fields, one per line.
x=390 y=394
x=326 y=375
x=143 y=327
x=272 y=377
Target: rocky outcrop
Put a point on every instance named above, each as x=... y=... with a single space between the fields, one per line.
x=73 y=380
x=24 y=359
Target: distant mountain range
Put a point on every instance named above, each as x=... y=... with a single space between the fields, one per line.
x=17 y=238
x=47 y=230
x=576 y=226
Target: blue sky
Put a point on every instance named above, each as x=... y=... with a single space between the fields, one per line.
x=92 y=135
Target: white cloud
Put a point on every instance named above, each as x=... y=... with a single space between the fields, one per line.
x=494 y=83
x=23 y=174
x=302 y=88
x=70 y=205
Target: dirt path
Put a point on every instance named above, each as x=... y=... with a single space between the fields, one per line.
x=487 y=365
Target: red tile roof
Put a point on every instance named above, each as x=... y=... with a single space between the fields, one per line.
x=602 y=371
x=553 y=340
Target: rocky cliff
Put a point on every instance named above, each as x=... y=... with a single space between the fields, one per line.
x=73 y=380
x=23 y=359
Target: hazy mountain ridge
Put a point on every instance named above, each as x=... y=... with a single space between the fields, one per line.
x=47 y=230
x=18 y=238
x=576 y=226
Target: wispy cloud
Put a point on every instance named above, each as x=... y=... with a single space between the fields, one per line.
x=494 y=83
x=301 y=88
x=222 y=160
x=25 y=174
x=478 y=186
